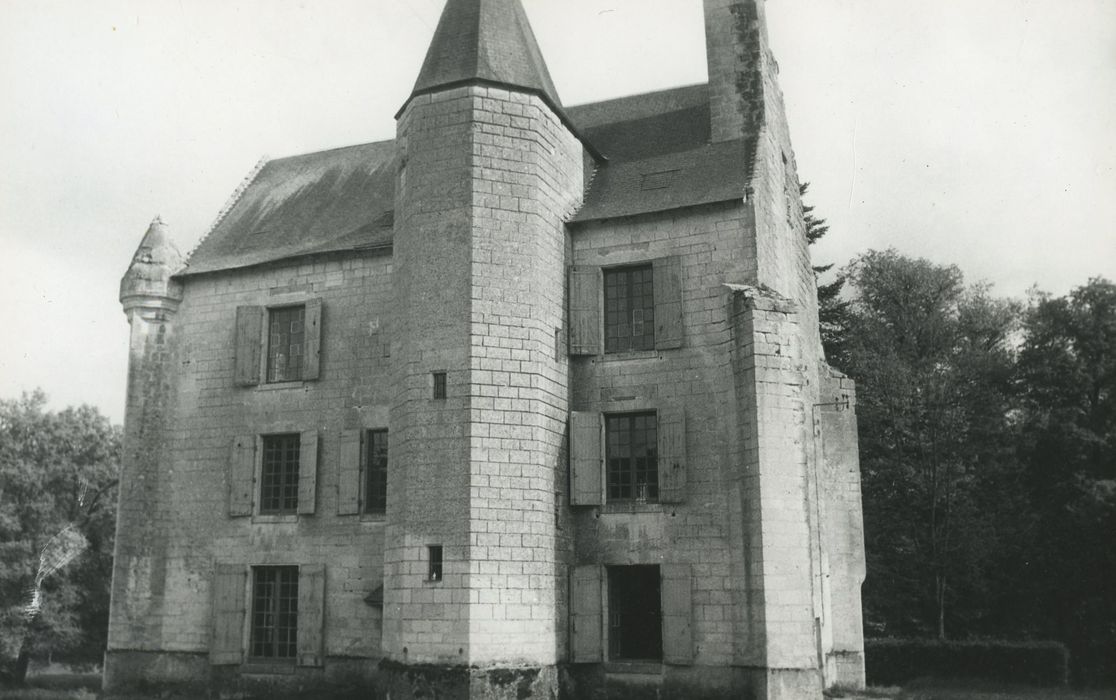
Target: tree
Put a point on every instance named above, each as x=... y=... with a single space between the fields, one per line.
x=58 y=473
x=933 y=365
x=1067 y=374
x=832 y=309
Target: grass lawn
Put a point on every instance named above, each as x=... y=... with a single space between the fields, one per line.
x=56 y=686
x=929 y=689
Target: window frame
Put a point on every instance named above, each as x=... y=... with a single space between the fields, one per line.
x=274 y=615
x=435 y=563
x=369 y=437
x=612 y=344
x=287 y=481
x=268 y=359
x=650 y=472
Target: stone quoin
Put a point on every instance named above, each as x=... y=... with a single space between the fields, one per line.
x=529 y=402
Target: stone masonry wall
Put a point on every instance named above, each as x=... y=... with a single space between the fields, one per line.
x=427 y=621
x=206 y=411
x=480 y=250
x=527 y=178
x=704 y=530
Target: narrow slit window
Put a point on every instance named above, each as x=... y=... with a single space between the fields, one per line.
x=274 y=612
x=434 y=556
x=439 y=385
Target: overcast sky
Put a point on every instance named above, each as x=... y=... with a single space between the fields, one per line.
x=975 y=132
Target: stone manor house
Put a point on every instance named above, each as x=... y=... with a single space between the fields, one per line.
x=528 y=402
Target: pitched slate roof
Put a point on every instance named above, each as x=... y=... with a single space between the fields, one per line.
x=659 y=158
x=320 y=202
x=659 y=155
x=488 y=41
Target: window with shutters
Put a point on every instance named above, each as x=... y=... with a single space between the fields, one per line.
x=274 y=613
x=635 y=616
x=278 y=344
x=631 y=456
x=629 y=306
x=279 y=474
x=286 y=341
x=375 y=471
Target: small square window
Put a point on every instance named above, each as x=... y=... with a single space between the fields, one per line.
x=285 y=343
x=631 y=455
x=434 y=556
x=279 y=474
x=629 y=297
x=376 y=471
x=274 y=612
x=439 y=385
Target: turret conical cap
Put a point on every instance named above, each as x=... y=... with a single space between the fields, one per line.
x=485 y=41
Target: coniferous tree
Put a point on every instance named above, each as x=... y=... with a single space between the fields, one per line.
x=832 y=309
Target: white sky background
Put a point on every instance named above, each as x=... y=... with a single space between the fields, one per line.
x=975 y=132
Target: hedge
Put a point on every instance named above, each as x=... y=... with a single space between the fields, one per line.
x=893 y=661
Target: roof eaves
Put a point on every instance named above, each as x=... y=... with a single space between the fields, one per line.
x=541 y=94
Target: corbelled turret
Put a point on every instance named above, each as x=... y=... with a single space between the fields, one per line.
x=148 y=280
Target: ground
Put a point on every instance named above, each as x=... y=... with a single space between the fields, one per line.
x=85 y=686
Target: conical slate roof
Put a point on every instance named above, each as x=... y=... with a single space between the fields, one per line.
x=486 y=41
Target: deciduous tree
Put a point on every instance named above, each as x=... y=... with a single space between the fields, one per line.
x=58 y=473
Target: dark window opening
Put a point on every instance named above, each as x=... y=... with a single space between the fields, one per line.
x=629 y=309
x=274 y=612
x=439 y=385
x=434 y=572
x=279 y=474
x=634 y=613
x=286 y=335
x=375 y=478
x=631 y=453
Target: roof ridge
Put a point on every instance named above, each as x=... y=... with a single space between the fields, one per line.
x=381 y=142
x=224 y=211
x=632 y=95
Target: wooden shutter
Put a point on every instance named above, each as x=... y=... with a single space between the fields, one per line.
x=312 y=341
x=350 y=464
x=585 y=311
x=311 y=615
x=672 y=455
x=585 y=614
x=668 y=302
x=307 y=471
x=249 y=336
x=226 y=644
x=242 y=473
x=677 y=602
x=585 y=459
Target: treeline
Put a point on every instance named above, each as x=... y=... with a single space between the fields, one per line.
x=988 y=455
x=58 y=480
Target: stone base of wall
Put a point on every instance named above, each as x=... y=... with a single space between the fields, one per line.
x=783 y=683
x=151 y=673
x=598 y=682
x=130 y=675
x=845 y=669
x=404 y=682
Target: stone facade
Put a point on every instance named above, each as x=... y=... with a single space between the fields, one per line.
x=451 y=287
